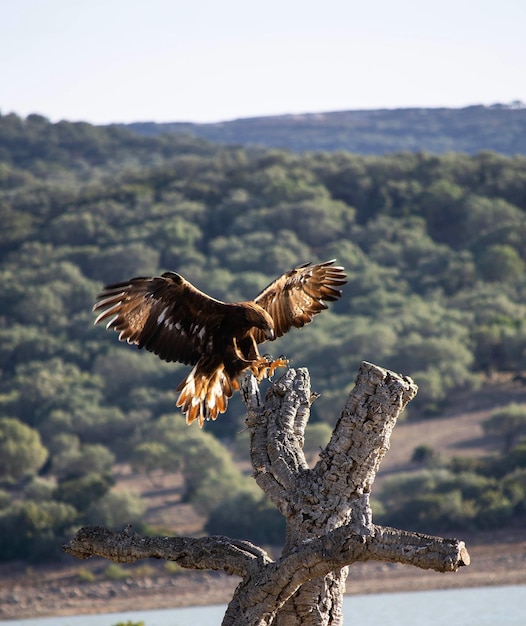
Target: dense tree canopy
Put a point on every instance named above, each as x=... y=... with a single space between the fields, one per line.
x=434 y=248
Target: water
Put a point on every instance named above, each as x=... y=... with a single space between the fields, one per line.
x=482 y=606
x=192 y=616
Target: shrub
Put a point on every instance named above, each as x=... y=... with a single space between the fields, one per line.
x=82 y=492
x=114 y=571
x=34 y=531
x=21 y=451
x=508 y=422
x=85 y=575
x=116 y=509
x=248 y=515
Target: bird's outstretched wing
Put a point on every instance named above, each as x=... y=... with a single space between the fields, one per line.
x=297 y=296
x=165 y=314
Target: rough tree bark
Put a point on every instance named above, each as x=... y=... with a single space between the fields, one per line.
x=329 y=520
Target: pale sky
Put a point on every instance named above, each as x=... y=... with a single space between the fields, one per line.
x=104 y=61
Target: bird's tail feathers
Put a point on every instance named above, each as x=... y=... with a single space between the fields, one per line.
x=204 y=396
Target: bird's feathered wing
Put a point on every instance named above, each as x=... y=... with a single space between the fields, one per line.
x=297 y=296
x=168 y=316
x=165 y=314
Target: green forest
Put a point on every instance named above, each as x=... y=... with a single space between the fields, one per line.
x=435 y=251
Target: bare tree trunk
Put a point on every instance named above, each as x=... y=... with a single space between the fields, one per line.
x=336 y=491
x=329 y=520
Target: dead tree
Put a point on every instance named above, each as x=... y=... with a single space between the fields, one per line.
x=327 y=511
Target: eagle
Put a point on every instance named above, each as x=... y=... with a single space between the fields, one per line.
x=170 y=317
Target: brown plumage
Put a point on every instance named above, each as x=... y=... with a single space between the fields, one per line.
x=170 y=317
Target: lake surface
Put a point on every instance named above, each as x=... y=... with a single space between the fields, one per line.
x=482 y=606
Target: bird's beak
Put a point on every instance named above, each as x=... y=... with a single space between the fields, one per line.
x=270 y=334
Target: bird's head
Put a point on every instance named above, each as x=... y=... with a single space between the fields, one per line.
x=259 y=318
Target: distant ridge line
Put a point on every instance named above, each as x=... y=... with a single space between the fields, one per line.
x=497 y=128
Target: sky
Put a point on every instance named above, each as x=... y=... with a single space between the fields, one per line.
x=105 y=61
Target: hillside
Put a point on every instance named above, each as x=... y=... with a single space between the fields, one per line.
x=435 y=253
x=458 y=433
x=87 y=587
x=498 y=128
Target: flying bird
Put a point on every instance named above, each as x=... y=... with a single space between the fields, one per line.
x=170 y=317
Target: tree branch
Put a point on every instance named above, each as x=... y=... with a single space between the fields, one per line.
x=267 y=585
x=215 y=552
x=360 y=440
x=276 y=443
x=338 y=548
